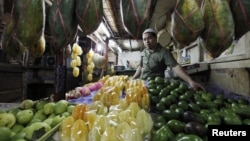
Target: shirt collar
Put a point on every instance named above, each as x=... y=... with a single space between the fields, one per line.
x=156 y=48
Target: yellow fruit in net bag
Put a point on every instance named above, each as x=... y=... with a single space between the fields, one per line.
x=73 y=63
x=76 y=71
x=89 y=68
x=90 y=54
x=74 y=48
x=92 y=64
x=79 y=50
x=90 y=77
x=89 y=60
x=78 y=61
x=73 y=55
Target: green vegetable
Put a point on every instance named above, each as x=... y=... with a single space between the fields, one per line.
x=243 y=111
x=214 y=118
x=246 y=121
x=163 y=134
x=232 y=119
x=176 y=126
x=190 y=137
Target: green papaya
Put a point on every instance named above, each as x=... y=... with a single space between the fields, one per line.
x=218 y=33
x=241 y=14
x=187 y=22
x=10 y=43
x=89 y=14
x=135 y=16
x=30 y=18
x=62 y=23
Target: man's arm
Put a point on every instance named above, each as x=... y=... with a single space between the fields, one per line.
x=137 y=72
x=180 y=72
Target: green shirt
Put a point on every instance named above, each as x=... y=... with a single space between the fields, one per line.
x=155 y=63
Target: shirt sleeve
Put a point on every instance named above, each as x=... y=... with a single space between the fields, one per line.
x=169 y=59
x=142 y=54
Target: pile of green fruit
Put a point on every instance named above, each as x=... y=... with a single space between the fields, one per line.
x=184 y=114
x=32 y=119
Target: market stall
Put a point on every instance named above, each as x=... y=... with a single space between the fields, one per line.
x=66 y=69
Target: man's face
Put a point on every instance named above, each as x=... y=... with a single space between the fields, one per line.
x=149 y=40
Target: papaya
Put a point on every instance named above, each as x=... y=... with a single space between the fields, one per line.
x=11 y=45
x=186 y=22
x=30 y=20
x=218 y=33
x=241 y=14
x=135 y=16
x=89 y=14
x=62 y=23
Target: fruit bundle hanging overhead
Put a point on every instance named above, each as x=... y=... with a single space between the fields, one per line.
x=25 y=28
x=62 y=22
x=241 y=14
x=218 y=34
x=187 y=22
x=89 y=14
x=135 y=16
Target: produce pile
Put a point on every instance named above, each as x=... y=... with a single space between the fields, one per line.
x=109 y=90
x=110 y=116
x=176 y=113
x=120 y=122
x=184 y=114
x=32 y=119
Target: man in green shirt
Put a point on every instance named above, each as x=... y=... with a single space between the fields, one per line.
x=155 y=59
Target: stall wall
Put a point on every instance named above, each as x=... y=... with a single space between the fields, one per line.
x=233 y=80
x=133 y=57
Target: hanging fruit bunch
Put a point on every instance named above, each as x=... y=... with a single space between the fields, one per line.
x=76 y=59
x=91 y=65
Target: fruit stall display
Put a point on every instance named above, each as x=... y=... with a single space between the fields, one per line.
x=185 y=114
x=110 y=115
x=120 y=109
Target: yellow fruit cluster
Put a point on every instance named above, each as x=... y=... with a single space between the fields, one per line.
x=136 y=91
x=109 y=95
x=121 y=122
x=112 y=89
x=91 y=65
x=76 y=59
x=114 y=80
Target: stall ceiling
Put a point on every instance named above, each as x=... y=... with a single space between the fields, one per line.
x=111 y=19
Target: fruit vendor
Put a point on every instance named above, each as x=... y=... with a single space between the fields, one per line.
x=155 y=59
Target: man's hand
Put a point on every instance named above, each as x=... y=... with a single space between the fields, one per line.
x=196 y=86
